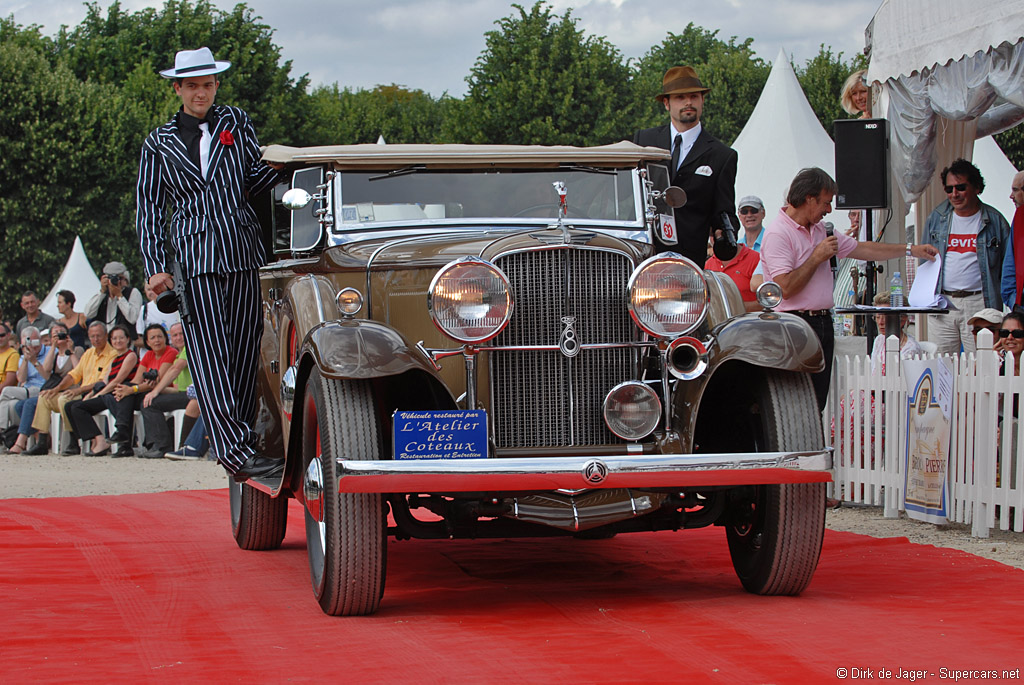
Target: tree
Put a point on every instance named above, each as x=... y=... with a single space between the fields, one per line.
x=735 y=76
x=541 y=81
x=1012 y=144
x=67 y=166
x=342 y=116
x=822 y=79
x=119 y=46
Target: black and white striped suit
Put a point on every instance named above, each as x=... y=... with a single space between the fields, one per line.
x=216 y=237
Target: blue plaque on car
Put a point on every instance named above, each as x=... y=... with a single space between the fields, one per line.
x=450 y=434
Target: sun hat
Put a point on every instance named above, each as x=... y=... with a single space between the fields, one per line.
x=195 y=63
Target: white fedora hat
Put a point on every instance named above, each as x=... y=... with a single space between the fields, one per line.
x=195 y=63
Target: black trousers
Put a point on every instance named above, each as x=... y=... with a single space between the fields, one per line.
x=158 y=435
x=80 y=413
x=123 y=411
x=821 y=324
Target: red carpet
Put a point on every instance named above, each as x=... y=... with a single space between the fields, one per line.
x=153 y=587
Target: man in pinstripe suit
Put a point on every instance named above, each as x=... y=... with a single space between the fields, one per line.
x=205 y=163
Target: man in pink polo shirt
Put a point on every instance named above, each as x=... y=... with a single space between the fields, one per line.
x=796 y=253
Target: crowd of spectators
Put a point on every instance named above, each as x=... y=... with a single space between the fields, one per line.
x=120 y=357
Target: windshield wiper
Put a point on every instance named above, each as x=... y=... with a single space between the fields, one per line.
x=416 y=168
x=589 y=169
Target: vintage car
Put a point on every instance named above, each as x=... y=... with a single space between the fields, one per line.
x=468 y=341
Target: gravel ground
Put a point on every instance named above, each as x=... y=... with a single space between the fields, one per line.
x=54 y=476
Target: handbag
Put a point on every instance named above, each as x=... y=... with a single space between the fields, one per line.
x=52 y=382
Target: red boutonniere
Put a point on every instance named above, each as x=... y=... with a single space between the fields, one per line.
x=226 y=138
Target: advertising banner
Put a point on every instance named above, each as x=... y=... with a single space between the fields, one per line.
x=929 y=423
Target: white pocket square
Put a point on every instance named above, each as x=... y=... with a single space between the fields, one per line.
x=703 y=170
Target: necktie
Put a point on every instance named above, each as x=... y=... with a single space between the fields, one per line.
x=204 y=147
x=677 y=145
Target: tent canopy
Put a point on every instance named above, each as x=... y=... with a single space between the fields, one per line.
x=78 y=277
x=939 y=59
x=782 y=136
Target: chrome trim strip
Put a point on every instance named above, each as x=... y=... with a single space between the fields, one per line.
x=316 y=296
x=543 y=473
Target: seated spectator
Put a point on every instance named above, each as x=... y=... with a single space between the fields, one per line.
x=30 y=377
x=9 y=358
x=909 y=346
x=155 y=364
x=117 y=302
x=741 y=270
x=991 y=319
x=75 y=322
x=33 y=317
x=90 y=370
x=59 y=359
x=169 y=394
x=198 y=442
x=81 y=412
x=150 y=315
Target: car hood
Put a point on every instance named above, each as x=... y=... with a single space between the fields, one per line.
x=438 y=249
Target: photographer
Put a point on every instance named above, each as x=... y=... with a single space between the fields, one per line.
x=28 y=378
x=117 y=302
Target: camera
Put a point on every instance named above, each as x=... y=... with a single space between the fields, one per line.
x=113 y=278
x=150 y=374
x=62 y=336
x=35 y=343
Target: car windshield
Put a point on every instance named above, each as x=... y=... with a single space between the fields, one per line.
x=418 y=194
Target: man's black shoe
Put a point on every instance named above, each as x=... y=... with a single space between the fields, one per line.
x=258 y=466
x=725 y=246
x=72 y=449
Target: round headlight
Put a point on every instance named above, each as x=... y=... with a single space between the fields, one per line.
x=350 y=301
x=668 y=296
x=769 y=294
x=470 y=300
x=632 y=410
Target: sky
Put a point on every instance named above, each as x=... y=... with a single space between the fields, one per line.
x=432 y=44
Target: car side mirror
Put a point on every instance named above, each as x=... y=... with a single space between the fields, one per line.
x=675 y=197
x=296 y=198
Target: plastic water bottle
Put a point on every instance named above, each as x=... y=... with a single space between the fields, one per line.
x=837 y=324
x=896 y=290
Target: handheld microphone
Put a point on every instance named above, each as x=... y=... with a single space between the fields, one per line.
x=830 y=231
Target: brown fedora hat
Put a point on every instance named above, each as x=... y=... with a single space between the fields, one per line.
x=678 y=80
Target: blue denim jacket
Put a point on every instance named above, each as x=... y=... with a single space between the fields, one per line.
x=1009 y=281
x=993 y=239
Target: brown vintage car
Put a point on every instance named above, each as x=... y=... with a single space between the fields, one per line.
x=479 y=341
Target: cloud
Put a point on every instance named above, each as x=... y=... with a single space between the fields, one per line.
x=433 y=44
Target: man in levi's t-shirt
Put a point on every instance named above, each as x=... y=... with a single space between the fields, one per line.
x=971 y=237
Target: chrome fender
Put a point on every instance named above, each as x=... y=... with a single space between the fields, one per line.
x=772 y=339
x=362 y=349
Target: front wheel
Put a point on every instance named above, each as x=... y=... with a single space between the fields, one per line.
x=775 y=531
x=345 y=533
x=258 y=521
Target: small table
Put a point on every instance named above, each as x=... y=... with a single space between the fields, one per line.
x=892 y=315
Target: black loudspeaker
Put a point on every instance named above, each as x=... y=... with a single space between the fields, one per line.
x=862 y=163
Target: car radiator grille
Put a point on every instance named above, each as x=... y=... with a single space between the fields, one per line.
x=542 y=398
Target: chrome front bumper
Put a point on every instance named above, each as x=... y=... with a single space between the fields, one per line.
x=574 y=473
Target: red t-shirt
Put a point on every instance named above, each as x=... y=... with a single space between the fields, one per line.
x=150 y=361
x=740 y=270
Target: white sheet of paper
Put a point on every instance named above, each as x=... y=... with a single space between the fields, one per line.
x=922 y=292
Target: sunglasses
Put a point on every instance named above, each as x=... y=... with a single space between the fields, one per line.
x=978 y=329
x=959 y=187
x=1017 y=333
x=749 y=210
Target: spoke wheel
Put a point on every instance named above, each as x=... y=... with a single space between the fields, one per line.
x=258 y=521
x=345 y=533
x=775 y=532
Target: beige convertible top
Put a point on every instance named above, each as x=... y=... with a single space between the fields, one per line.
x=374 y=156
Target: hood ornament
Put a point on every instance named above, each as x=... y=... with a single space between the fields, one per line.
x=563 y=209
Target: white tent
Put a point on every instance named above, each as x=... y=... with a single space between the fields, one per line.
x=782 y=136
x=998 y=172
x=78 y=277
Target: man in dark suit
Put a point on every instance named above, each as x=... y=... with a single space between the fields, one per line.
x=701 y=165
x=205 y=162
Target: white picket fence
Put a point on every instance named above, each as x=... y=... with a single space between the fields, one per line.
x=986 y=470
